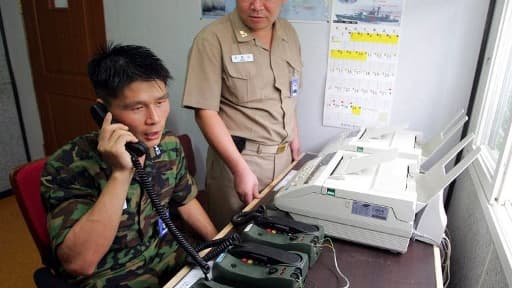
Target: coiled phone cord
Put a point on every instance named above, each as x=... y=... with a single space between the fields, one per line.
x=208 y=244
x=243 y=218
x=219 y=246
x=139 y=171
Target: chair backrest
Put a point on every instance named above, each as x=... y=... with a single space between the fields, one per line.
x=26 y=184
x=186 y=143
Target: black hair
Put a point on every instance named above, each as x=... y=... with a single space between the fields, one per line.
x=116 y=66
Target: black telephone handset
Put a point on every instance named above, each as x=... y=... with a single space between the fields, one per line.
x=278 y=222
x=266 y=255
x=98 y=112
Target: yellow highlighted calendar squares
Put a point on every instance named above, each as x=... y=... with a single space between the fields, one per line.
x=374 y=37
x=349 y=55
x=356 y=110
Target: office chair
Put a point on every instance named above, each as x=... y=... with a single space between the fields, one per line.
x=26 y=184
x=186 y=144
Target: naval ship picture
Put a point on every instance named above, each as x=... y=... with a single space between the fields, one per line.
x=374 y=16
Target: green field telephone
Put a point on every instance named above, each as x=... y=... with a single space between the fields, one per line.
x=253 y=265
x=275 y=228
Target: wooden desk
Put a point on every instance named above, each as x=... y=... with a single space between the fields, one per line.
x=370 y=267
x=364 y=266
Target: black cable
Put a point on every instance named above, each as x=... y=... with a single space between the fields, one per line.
x=139 y=171
x=215 y=242
x=219 y=246
x=243 y=218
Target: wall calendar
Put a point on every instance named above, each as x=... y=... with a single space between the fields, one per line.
x=362 y=63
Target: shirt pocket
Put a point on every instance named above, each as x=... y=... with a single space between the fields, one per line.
x=238 y=84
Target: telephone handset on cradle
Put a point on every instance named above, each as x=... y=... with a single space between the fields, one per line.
x=98 y=112
x=254 y=265
x=275 y=228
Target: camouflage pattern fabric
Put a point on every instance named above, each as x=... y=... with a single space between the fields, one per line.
x=72 y=181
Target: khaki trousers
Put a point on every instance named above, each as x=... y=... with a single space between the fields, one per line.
x=222 y=199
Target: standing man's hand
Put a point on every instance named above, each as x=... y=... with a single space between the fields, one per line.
x=295 y=143
x=245 y=181
x=295 y=148
x=246 y=185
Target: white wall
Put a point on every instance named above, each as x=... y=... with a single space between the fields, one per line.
x=438 y=55
x=439 y=48
x=17 y=47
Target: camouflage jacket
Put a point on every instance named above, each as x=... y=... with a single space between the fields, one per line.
x=72 y=181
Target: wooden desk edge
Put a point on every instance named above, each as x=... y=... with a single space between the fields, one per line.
x=184 y=271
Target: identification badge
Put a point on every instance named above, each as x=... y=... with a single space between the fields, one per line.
x=294 y=86
x=162 y=229
x=242 y=58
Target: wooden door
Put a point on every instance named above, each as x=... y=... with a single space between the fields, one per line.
x=62 y=35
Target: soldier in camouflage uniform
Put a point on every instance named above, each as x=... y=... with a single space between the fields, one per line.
x=103 y=229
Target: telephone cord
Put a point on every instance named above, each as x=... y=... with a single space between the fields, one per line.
x=215 y=242
x=222 y=247
x=205 y=268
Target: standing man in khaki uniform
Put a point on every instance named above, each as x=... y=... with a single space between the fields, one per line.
x=243 y=79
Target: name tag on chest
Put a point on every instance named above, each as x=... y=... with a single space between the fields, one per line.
x=162 y=229
x=239 y=58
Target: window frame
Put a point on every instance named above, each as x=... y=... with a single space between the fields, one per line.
x=493 y=179
x=490 y=173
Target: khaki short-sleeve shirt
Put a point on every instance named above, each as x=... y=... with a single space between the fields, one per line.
x=253 y=89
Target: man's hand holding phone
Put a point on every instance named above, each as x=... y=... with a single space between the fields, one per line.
x=111 y=144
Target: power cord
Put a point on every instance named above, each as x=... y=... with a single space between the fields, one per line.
x=446 y=251
x=331 y=245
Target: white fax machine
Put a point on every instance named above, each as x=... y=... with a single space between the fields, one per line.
x=364 y=198
x=372 y=198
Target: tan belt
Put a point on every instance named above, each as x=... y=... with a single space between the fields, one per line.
x=265 y=149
